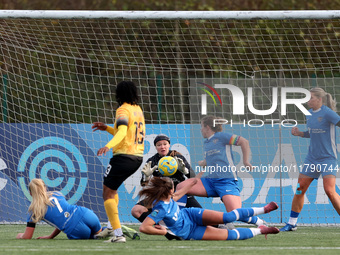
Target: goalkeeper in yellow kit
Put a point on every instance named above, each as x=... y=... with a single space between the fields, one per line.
x=128 y=148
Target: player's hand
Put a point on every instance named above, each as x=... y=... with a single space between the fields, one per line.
x=181 y=166
x=102 y=151
x=295 y=131
x=202 y=163
x=159 y=227
x=99 y=126
x=148 y=170
x=144 y=180
x=19 y=235
x=248 y=166
x=44 y=237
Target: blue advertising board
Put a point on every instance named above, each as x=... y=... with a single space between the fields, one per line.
x=64 y=156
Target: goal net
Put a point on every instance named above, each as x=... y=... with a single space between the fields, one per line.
x=59 y=71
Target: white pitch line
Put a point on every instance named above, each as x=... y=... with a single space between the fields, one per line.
x=104 y=248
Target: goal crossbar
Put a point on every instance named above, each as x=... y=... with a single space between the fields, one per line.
x=170 y=15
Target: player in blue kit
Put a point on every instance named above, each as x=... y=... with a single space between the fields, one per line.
x=221 y=180
x=184 y=171
x=322 y=153
x=75 y=221
x=194 y=223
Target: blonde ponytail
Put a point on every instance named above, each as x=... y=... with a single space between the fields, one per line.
x=327 y=98
x=40 y=199
x=331 y=103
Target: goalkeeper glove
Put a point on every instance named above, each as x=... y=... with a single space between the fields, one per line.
x=181 y=166
x=148 y=170
x=144 y=180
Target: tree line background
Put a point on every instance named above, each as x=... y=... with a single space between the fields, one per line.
x=75 y=81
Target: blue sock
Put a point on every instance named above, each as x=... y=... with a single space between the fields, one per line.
x=294 y=214
x=250 y=220
x=293 y=218
x=229 y=217
x=241 y=214
x=240 y=234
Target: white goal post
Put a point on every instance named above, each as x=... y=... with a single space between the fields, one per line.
x=171 y=15
x=59 y=69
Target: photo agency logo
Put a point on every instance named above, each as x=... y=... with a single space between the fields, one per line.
x=239 y=103
x=204 y=97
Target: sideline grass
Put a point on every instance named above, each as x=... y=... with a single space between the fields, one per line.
x=306 y=240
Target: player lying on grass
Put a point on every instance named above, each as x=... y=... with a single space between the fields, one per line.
x=150 y=169
x=194 y=223
x=75 y=221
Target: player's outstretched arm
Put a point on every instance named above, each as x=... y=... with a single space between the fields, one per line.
x=99 y=126
x=148 y=227
x=120 y=135
x=244 y=143
x=52 y=235
x=27 y=235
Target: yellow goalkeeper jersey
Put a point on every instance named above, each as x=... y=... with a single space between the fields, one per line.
x=133 y=143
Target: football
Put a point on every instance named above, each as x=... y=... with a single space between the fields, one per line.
x=167 y=166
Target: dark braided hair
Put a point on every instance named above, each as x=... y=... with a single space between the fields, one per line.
x=126 y=92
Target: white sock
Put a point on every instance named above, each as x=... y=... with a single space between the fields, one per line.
x=118 y=232
x=258 y=210
x=109 y=225
x=259 y=222
x=255 y=231
x=292 y=221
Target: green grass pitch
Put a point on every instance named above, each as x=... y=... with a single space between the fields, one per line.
x=306 y=240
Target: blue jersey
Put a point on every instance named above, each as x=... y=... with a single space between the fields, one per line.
x=219 y=156
x=61 y=214
x=182 y=223
x=322 y=134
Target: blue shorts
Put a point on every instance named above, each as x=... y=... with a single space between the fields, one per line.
x=197 y=227
x=314 y=169
x=219 y=187
x=87 y=227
